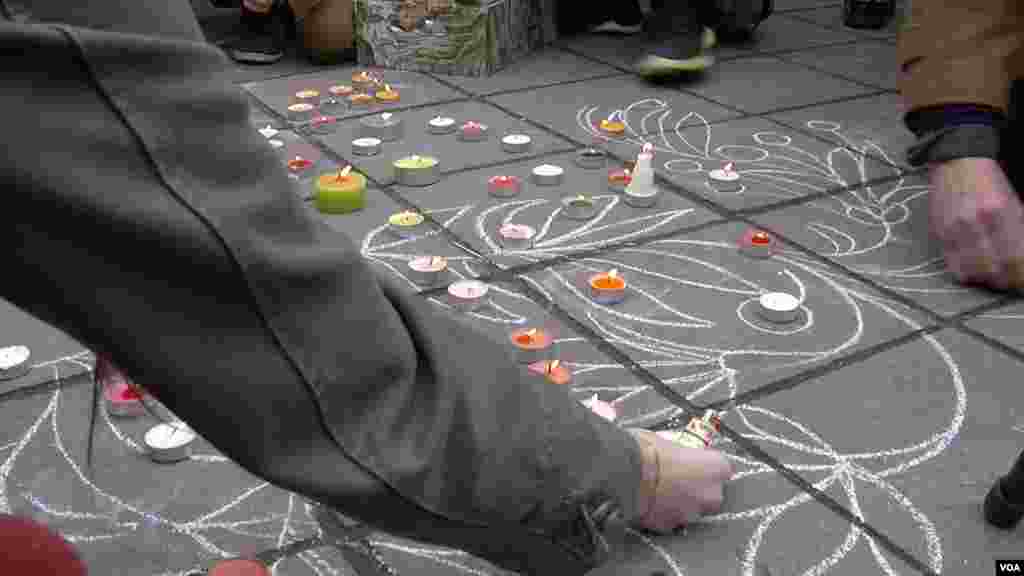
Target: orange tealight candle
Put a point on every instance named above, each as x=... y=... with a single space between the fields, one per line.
x=607 y=288
x=299 y=164
x=612 y=125
x=387 y=94
x=553 y=371
x=361 y=99
x=757 y=244
x=362 y=77
x=532 y=345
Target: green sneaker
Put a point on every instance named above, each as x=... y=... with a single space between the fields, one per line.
x=678 y=56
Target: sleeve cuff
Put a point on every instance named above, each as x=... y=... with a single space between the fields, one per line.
x=953 y=142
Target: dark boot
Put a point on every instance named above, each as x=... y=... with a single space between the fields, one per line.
x=678 y=40
x=1004 y=505
x=263 y=36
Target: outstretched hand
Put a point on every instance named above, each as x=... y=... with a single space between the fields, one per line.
x=978 y=218
x=680 y=484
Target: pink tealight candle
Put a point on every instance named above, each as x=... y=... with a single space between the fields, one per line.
x=517 y=236
x=427 y=269
x=504 y=186
x=467 y=295
x=553 y=370
x=601 y=408
x=473 y=131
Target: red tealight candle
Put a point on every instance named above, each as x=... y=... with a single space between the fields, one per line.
x=124 y=399
x=533 y=345
x=299 y=164
x=608 y=288
x=757 y=244
x=473 y=131
x=619 y=179
x=553 y=371
x=504 y=186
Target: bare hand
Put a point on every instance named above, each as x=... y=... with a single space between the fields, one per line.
x=680 y=483
x=978 y=217
x=258 y=6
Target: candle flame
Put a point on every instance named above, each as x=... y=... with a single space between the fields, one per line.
x=387 y=88
x=552 y=365
x=613 y=274
x=343 y=173
x=627 y=172
x=647 y=148
x=728 y=167
x=435 y=261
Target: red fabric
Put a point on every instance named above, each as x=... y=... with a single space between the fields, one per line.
x=28 y=548
x=239 y=567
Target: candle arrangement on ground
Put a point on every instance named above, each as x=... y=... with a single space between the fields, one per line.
x=341 y=90
x=417 y=170
x=385 y=126
x=553 y=370
x=548 y=175
x=591 y=158
x=239 y=567
x=366 y=146
x=757 y=244
x=516 y=236
x=612 y=125
x=123 y=399
x=407 y=224
x=699 y=433
x=603 y=409
x=778 y=307
x=340 y=192
x=532 y=345
x=467 y=295
x=363 y=80
x=360 y=100
x=516 y=143
x=301 y=112
x=725 y=179
x=299 y=165
x=308 y=96
x=323 y=124
x=14 y=362
x=473 y=132
x=579 y=207
x=427 y=270
x=607 y=288
x=619 y=179
x=641 y=191
x=387 y=95
x=441 y=125
x=504 y=186
x=169 y=442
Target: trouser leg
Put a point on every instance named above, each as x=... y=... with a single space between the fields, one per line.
x=325 y=28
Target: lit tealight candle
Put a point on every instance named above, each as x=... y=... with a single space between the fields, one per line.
x=427 y=270
x=169 y=442
x=608 y=288
x=467 y=295
x=14 y=362
x=504 y=186
x=473 y=131
x=363 y=78
x=778 y=307
x=725 y=179
x=612 y=125
x=360 y=100
x=323 y=124
x=122 y=399
x=603 y=409
x=553 y=370
x=619 y=179
x=757 y=244
x=579 y=208
x=301 y=111
x=366 y=146
x=385 y=126
x=387 y=94
x=341 y=90
x=516 y=236
x=590 y=158
x=406 y=224
x=516 y=143
x=548 y=175
x=341 y=192
x=417 y=170
x=310 y=96
x=299 y=164
x=532 y=345
x=441 y=125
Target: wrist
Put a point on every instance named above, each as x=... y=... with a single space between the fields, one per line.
x=650 y=472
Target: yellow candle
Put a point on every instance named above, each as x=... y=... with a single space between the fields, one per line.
x=360 y=99
x=307 y=94
x=613 y=127
x=340 y=192
x=387 y=94
x=406 y=219
x=413 y=162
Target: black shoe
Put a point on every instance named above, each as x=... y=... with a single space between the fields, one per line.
x=263 y=37
x=624 y=17
x=679 y=43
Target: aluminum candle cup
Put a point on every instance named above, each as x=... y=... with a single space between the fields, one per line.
x=407 y=224
x=427 y=270
x=14 y=362
x=778 y=307
x=169 y=443
x=641 y=198
x=441 y=125
x=591 y=158
x=725 y=180
x=467 y=295
x=301 y=112
x=516 y=236
x=385 y=126
x=417 y=171
x=366 y=146
x=516 y=143
x=548 y=175
x=579 y=208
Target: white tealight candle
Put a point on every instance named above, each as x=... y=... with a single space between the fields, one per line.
x=779 y=307
x=169 y=442
x=467 y=295
x=516 y=143
x=14 y=361
x=427 y=269
x=268 y=131
x=385 y=126
x=725 y=179
x=548 y=175
x=517 y=236
x=366 y=146
x=441 y=125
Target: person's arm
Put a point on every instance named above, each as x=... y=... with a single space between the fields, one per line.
x=144 y=216
x=958 y=59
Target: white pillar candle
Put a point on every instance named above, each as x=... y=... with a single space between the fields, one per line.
x=516 y=143
x=169 y=442
x=779 y=307
x=441 y=125
x=14 y=362
x=366 y=146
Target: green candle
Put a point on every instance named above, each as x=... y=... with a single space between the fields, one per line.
x=340 y=192
x=414 y=162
